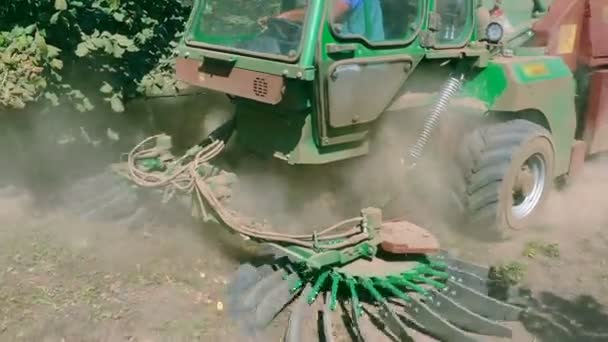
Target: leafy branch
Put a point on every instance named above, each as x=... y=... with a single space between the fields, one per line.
x=121 y=47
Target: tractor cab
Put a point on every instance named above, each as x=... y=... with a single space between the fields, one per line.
x=309 y=77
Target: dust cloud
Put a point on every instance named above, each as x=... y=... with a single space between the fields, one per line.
x=181 y=267
x=581 y=204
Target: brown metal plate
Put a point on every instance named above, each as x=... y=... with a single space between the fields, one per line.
x=402 y=237
x=249 y=84
x=560 y=30
x=598 y=28
x=597 y=115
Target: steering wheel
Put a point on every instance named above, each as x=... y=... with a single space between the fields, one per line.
x=283 y=29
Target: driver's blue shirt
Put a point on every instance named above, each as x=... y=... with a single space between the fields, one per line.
x=355 y=23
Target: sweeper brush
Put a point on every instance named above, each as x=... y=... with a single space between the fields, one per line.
x=387 y=297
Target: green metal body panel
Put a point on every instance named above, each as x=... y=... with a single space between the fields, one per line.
x=488 y=85
x=521 y=85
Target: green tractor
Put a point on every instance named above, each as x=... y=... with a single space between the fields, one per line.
x=311 y=81
x=488 y=91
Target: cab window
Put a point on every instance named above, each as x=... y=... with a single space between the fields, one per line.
x=455 y=15
x=376 y=21
x=270 y=27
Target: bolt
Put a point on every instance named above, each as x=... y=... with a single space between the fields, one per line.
x=299 y=74
x=285 y=72
x=325 y=141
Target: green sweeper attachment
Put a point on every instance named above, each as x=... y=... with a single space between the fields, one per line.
x=364 y=277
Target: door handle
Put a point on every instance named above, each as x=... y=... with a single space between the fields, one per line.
x=333 y=48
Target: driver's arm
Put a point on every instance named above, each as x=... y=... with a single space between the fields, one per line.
x=340 y=8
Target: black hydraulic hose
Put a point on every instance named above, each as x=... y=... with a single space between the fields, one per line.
x=224 y=132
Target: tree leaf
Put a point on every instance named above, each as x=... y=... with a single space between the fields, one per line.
x=55 y=17
x=82 y=50
x=52 y=51
x=76 y=94
x=87 y=104
x=117 y=104
x=132 y=48
x=57 y=77
x=97 y=42
x=17 y=102
x=61 y=5
x=57 y=64
x=118 y=51
x=52 y=97
x=123 y=40
x=30 y=29
x=106 y=88
x=41 y=43
x=108 y=47
x=120 y=17
x=112 y=135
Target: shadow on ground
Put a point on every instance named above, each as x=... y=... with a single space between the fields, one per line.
x=555 y=319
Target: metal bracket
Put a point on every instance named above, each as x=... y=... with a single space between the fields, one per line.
x=434 y=22
x=427 y=39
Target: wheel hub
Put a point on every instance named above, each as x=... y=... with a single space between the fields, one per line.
x=529 y=186
x=524 y=183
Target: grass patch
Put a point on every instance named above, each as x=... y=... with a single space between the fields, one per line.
x=510 y=274
x=533 y=249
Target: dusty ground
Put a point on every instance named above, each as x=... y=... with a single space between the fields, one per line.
x=570 y=283
x=66 y=280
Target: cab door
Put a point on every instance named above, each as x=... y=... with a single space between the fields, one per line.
x=364 y=57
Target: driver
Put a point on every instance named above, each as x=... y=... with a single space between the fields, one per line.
x=351 y=13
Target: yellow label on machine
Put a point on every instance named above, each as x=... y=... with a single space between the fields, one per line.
x=535 y=69
x=567 y=39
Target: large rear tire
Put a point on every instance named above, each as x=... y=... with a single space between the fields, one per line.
x=507 y=174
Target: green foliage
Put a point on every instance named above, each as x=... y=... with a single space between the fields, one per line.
x=87 y=52
x=509 y=274
x=534 y=248
x=236 y=16
x=25 y=63
x=161 y=81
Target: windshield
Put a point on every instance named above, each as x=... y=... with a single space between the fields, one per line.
x=261 y=26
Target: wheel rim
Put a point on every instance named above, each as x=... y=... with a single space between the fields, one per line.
x=529 y=186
